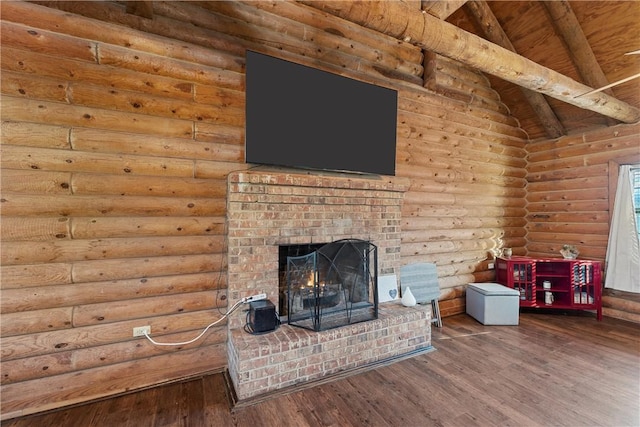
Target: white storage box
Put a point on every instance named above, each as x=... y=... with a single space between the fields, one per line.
x=493 y=304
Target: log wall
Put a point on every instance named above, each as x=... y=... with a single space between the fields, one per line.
x=568 y=189
x=118 y=133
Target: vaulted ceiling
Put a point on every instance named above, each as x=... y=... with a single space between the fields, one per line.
x=588 y=41
x=544 y=58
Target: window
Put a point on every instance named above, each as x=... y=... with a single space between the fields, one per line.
x=635 y=179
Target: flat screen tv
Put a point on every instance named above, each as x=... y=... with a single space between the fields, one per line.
x=299 y=116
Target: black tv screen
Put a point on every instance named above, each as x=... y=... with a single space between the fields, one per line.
x=299 y=116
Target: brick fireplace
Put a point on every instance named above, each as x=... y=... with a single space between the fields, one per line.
x=268 y=208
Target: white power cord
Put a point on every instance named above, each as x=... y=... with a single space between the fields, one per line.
x=224 y=316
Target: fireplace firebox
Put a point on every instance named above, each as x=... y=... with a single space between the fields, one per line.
x=332 y=286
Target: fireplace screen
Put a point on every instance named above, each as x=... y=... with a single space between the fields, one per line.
x=333 y=286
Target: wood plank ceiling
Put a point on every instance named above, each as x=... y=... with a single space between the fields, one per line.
x=587 y=41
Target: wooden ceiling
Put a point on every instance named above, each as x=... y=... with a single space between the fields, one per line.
x=587 y=41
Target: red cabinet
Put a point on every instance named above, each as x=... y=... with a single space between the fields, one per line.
x=568 y=284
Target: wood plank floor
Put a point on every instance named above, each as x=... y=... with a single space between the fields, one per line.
x=551 y=370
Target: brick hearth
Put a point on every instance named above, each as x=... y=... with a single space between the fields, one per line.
x=291 y=355
x=268 y=208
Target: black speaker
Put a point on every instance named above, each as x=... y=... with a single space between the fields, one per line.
x=262 y=316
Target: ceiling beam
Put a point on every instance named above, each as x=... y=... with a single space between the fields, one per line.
x=442 y=9
x=398 y=20
x=493 y=31
x=578 y=47
x=568 y=27
x=143 y=8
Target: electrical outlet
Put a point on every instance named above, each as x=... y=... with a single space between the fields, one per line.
x=257 y=297
x=491 y=266
x=141 y=330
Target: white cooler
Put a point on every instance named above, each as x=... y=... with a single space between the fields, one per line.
x=493 y=304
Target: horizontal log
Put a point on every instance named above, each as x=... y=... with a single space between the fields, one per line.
x=568 y=184
x=601 y=158
x=599 y=239
x=434 y=248
x=105 y=227
x=576 y=227
x=86 y=184
x=217 y=170
x=227 y=136
x=464 y=188
x=588 y=150
x=114 y=248
x=34 y=87
x=116 y=206
x=184 y=27
x=70 y=70
x=304 y=39
x=34 y=181
x=424 y=150
x=569 y=217
x=570 y=206
x=447 y=246
x=448 y=175
x=474 y=95
x=619 y=303
x=225 y=143
x=435 y=223
x=15 y=229
x=114 y=269
x=471 y=119
x=119 y=35
x=424 y=237
x=27 y=276
x=459 y=71
x=35 y=134
x=560 y=194
x=423 y=210
x=17 y=109
x=622 y=131
x=311 y=17
x=462 y=115
x=123 y=35
x=457 y=257
x=135 y=102
x=501 y=149
x=26 y=37
x=548 y=249
x=31 y=322
x=68 y=295
x=467 y=85
x=16 y=157
x=147 y=63
x=458 y=269
x=437 y=122
x=117 y=311
x=560 y=175
x=44 y=366
x=448 y=87
x=64 y=340
x=213 y=95
x=462 y=200
x=620 y=314
x=43 y=394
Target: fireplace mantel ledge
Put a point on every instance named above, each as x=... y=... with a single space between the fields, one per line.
x=324 y=179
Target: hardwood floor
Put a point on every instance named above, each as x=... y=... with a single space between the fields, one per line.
x=551 y=370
